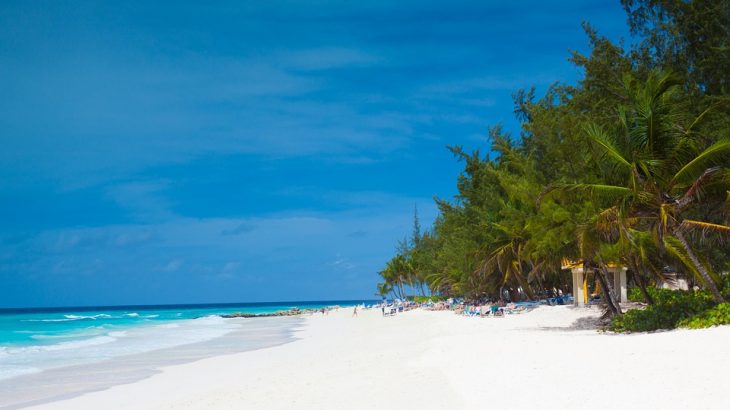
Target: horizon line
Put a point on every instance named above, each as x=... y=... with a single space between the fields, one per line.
x=4 y=310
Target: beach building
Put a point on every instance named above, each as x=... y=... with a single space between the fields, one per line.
x=672 y=281
x=580 y=283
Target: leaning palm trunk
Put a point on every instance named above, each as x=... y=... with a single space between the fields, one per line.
x=608 y=294
x=641 y=282
x=639 y=277
x=709 y=282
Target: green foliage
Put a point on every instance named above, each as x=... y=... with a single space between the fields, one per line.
x=635 y=295
x=671 y=307
x=630 y=166
x=718 y=315
x=425 y=299
x=688 y=36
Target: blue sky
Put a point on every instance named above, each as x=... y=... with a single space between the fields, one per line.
x=174 y=152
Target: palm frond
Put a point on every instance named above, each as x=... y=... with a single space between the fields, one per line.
x=703 y=227
x=595 y=191
x=599 y=137
x=715 y=154
x=696 y=186
x=534 y=271
x=699 y=118
x=494 y=260
x=665 y=210
x=675 y=248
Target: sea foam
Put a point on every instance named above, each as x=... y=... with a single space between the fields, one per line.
x=99 y=343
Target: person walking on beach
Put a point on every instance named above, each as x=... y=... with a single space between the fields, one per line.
x=354 y=312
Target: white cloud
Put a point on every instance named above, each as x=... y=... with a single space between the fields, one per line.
x=290 y=251
x=229 y=271
x=173 y=265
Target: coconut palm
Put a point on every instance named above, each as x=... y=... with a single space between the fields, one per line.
x=504 y=263
x=658 y=171
x=397 y=273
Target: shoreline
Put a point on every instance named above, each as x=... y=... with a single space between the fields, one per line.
x=432 y=359
x=34 y=342
x=43 y=387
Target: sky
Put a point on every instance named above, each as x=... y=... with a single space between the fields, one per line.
x=227 y=151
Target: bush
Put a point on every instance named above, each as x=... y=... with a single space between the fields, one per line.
x=635 y=295
x=424 y=299
x=671 y=307
x=726 y=286
x=719 y=315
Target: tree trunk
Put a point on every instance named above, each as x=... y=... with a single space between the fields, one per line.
x=528 y=291
x=522 y=281
x=700 y=268
x=607 y=292
x=641 y=281
x=540 y=286
x=611 y=291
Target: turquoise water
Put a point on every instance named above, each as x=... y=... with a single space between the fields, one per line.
x=34 y=340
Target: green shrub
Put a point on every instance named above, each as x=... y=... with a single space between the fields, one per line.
x=718 y=315
x=635 y=295
x=671 y=307
x=424 y=299
x=726 y=286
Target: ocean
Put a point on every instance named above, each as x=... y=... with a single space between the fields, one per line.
x=34 y=341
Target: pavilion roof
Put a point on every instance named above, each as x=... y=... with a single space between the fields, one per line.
x=571 y=264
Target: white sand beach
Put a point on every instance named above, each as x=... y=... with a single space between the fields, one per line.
x=437 y=360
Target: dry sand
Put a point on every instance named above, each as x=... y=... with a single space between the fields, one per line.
x=543 y=359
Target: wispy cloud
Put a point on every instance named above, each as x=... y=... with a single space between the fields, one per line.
x=144 y=200
x=325 y=58
x=143 y=143
x=342 y=263
x=240 y=229
x=173 y=265
x=229 y=271
x=287 y=253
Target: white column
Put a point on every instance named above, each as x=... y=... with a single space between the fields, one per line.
x=619 y=284
x=578 y=287
x=621 y=288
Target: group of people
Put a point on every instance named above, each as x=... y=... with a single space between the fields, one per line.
x=477 y=309
x=484 y=310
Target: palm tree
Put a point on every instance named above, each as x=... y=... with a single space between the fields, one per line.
x=643 y=258
x=397 y=273
x=505 y=263
x=384 y=288
x=658 y=171
x=598 y=241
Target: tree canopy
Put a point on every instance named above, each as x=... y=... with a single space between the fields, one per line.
x=631 y=165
